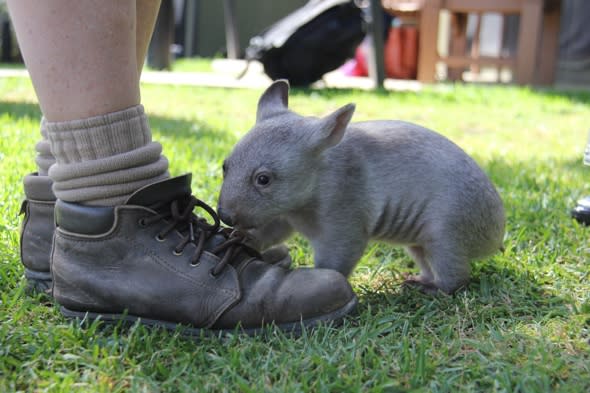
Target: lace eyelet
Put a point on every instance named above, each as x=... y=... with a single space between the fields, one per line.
x=177 y=253
x=159 y=238
x=213 y=275
x=141 y=222
x=195 y=264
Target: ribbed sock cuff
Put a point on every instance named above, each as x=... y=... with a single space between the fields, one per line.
x=100 y=136
x=44 y=158
x=103 y=160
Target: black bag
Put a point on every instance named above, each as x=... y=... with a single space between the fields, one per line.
x=315 y=39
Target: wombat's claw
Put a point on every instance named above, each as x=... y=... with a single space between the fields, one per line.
x=278 y=255
x=285 y=263
x=420 y=284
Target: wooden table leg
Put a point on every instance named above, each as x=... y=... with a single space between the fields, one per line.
x=428 y=54
x=458 y=44
x=528 y=41
x=549 y=46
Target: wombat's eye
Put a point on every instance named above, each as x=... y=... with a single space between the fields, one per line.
x=224 y=167
x=262 y=179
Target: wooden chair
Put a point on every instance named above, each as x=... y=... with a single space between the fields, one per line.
x=536 y=52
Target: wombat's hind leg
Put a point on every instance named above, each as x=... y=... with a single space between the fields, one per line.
x=450 y=267
x=425 y=280
x=442 y=269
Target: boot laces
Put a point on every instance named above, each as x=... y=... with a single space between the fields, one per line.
x=197 y=230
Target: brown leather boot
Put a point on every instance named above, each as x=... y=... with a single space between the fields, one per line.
x=152 y=259
x=37 y=231
x=38 y=226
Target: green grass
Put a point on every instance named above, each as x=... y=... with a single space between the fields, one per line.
x=523 y=324
x=12 y=66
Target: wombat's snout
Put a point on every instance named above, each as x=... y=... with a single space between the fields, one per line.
x=225 y=216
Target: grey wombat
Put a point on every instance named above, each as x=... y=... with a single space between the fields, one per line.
x=341 y=184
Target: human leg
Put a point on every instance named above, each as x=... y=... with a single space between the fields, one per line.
x=81 y=56
x=82 y=59
x=37 y=228
x=147 y=12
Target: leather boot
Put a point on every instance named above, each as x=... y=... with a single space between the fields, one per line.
x=152 y=259
x=37 y=231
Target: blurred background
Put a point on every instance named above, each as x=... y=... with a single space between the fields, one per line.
x=483 y=42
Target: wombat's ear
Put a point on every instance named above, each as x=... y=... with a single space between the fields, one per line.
x=274 y=99
x=333 y=127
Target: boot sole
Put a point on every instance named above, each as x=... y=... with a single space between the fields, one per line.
x=38 y=282
x=335 y=318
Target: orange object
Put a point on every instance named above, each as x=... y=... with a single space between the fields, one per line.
x=401 y=52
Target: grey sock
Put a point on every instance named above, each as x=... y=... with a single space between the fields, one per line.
x=104 y=159
x=44 y=158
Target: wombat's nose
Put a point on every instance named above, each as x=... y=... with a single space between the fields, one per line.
x=225 y=217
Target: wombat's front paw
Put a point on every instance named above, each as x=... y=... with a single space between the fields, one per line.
x=278 y=255
x=424 y=286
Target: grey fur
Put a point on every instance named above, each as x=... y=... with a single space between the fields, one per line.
x=342 y=184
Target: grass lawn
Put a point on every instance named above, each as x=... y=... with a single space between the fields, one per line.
x=523 y=324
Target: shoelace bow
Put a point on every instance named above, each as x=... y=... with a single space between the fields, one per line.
x=197 y=231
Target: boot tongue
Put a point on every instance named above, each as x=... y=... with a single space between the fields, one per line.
x=161 y=192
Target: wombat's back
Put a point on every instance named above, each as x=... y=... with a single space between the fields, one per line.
x=416 y=185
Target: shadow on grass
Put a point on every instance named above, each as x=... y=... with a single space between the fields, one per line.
x=20 y=110
x=192 y=132
x=180 y=130
x=498 y=297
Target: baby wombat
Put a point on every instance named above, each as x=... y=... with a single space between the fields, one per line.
x=341 y=184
